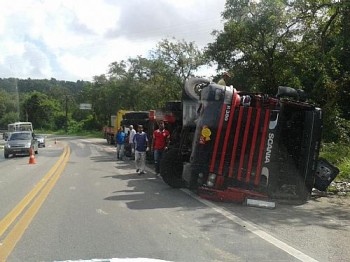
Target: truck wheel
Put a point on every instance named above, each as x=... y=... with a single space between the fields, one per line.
x=171 y=168
x=285 y=91
x=193 y=87
x=6 y=155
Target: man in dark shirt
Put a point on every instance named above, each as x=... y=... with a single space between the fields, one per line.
x=141 y=146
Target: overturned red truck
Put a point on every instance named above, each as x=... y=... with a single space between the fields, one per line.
x=230 y=145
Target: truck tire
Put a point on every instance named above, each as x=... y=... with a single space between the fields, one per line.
x=171 y=168
x=6 y=155
x=297 y=94
x=193 y=87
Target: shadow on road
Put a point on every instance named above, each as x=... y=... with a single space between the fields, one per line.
x=148 y=192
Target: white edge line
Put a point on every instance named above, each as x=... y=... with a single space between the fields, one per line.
x=253 y=229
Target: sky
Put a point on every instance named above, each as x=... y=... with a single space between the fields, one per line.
x=75 y=40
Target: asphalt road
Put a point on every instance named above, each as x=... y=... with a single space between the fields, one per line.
x=99 y=208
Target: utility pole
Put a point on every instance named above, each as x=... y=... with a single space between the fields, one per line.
x=66 y=125
x=17 y=99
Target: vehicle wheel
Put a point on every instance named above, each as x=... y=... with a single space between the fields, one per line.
x=171 y=168
x=193 y=87
x=286 y=91
x=6 y=155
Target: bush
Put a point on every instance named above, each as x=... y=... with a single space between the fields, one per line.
x=59 y=121
x=8 y=118
x=335 y=128
x=75 y=127
x=90 y=123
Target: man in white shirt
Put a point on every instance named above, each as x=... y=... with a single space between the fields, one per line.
x=132 y=133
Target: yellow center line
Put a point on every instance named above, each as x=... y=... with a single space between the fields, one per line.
x=18 y=230
x=10 y=217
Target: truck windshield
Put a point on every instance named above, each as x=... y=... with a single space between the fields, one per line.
x=20 y=136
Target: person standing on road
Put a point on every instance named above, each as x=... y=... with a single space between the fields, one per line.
x=141 y=147
x=132 y=133
x=120 y=141
x=161 y=139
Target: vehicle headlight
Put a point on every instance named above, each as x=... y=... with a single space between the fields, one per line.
x=211 y=180
x=28 y=145
x=200 y=178
x=8 y=146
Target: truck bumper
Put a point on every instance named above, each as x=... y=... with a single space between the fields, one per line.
x=230 y=194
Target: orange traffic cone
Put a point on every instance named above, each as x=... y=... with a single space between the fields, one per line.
x=31 y=157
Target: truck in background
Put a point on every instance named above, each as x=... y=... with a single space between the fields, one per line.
x=149 y=120
x=124 y=119
x=109 y=132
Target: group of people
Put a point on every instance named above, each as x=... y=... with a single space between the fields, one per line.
x=139 y=143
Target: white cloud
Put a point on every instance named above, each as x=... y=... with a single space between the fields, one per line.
x=73 y=40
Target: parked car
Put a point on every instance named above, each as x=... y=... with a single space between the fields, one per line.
x=41 y=140
x=20 y=143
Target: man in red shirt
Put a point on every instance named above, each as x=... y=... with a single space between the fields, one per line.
x=161 y=139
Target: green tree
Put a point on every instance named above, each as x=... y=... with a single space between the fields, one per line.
x=144 y=83
x=40 y=110
x=179 y=58
x=253 y=43
x=8 y=108
x=8 y=118
x=322 y=63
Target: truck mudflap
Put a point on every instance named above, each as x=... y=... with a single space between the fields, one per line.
x=230 y=194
